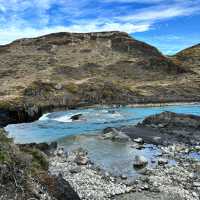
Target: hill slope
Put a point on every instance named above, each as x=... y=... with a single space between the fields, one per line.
x=70 y=69
x=190 y=58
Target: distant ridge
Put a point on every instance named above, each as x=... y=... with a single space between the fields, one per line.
x=190 y=58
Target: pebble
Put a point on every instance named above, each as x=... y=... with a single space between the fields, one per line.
x=86 y=181
x=196 y=184
x=162 y=161
x=123 y=177
x=140 y=161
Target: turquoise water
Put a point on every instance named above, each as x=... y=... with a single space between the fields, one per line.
x=114 y=157
x=56 y=125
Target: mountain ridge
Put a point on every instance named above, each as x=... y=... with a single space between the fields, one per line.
x=190 y=58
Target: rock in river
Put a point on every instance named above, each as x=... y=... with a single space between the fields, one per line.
x=115 y=135
x=76 y=117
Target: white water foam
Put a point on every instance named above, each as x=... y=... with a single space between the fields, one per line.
x=65 y=118
x=116 y=115
x=44 y=117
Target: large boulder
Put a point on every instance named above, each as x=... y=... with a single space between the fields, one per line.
x=44 y=147
x=59 y=188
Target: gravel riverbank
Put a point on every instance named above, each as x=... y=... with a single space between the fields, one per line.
x=174 y=174
x=178 y=181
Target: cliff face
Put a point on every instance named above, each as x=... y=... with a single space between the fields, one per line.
x=70 y=69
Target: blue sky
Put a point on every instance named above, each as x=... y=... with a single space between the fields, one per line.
x=170 y=25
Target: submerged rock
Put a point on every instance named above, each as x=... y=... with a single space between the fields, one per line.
x=115 y=135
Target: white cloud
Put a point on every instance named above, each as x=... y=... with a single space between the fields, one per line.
x=155 y=13
x=31 y=18
x=136 y=1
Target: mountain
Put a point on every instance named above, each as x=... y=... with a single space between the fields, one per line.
x=190 y=58
x=73 y=69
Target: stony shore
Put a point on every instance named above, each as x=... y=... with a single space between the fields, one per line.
x=178 y=181
x=175 y=175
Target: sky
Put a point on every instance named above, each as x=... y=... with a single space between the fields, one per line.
x=170 y=25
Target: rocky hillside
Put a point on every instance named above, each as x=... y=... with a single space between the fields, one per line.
x=190 y=58
x=70 y=69
x=24 y=174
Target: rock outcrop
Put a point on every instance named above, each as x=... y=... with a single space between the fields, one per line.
x=164 y=129
x=23 y=174
x=173 y=121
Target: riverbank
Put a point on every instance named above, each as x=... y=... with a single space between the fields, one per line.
x=94 y=118
x=174 y=172
x=171 y=172
x=23 y=114
x=144 y=105
x=165 y=181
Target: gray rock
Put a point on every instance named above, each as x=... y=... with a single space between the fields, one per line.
x=196 y=184
x=59 y=86
x=81 y=160
x=76 y=117
x=140 y=161
x=139 y=140
x=162 y=161
x=75 y=170
x=60 y=152
x=115 y=135
x=123 y=177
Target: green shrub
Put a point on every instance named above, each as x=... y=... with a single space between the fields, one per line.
x=72 y=87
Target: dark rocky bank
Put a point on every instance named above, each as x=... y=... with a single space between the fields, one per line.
x=166 y=128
